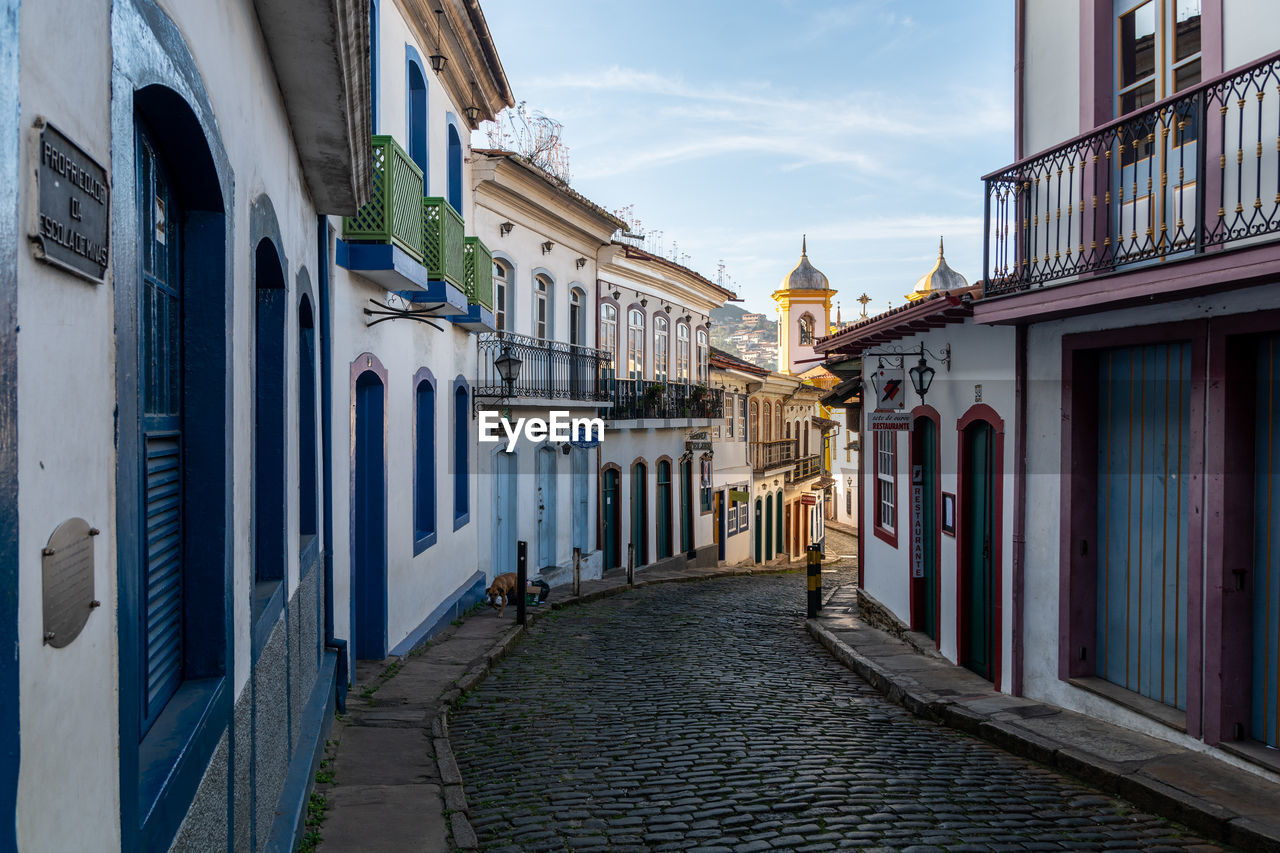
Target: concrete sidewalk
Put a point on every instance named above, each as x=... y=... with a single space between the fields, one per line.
x=1210 y=796
x=392 y=782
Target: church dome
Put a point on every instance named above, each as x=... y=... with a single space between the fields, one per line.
x=941 y=277
x=805 y=276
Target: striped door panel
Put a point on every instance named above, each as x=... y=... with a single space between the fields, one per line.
x=1265 y=723
x=1144 y=426
x=164 y=568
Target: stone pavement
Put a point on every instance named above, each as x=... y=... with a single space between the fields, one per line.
x=702 y=717
x=391 y=781
x=1202 y=792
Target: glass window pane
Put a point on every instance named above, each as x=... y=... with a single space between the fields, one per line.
x=1186 y=30
x=1138 y=44
x=1137 y=98
x=1185 y=76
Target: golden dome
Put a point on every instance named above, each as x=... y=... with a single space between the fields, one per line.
x=941 y=277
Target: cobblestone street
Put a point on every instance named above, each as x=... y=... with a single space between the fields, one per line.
x=701 y=716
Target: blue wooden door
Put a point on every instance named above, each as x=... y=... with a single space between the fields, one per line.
x=777 y=519
x=686 y=505
x=160 y=385
x=546 y=485
x=759 y=523
x=639 y=513
x=506 y=509
x=581 y=481
x=1265 y=712
x=768 y=527
x=1144 y=432
x=370 y=521
x=664 y=510
x=924 y=468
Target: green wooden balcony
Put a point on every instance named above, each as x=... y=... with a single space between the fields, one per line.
x=478 y=284
x=394 y=214
x=443 y=242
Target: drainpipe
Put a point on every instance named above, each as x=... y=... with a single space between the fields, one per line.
x=1019 y=502
x=326 y=453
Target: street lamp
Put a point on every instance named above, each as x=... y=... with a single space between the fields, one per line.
x=921 y=376
x=508 y=368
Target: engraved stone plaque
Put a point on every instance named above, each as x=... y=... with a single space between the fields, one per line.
x=68 y=581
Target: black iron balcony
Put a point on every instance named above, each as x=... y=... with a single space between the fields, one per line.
x=548 y=369
x=1192 y=174
x=641 y=398
x=806 y=468
x=768 y=455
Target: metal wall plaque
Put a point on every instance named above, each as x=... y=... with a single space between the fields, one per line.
x=72 y=226
x=67 y=564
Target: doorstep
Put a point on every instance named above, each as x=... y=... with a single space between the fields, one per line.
x=1194 y=788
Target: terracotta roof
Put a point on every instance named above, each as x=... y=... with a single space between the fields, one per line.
x=726 y=361
x=934 y=311
x=631 y=251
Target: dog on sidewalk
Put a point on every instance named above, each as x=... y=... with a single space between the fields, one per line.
x=500 y=591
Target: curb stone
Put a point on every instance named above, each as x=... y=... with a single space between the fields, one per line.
x=1207 y=818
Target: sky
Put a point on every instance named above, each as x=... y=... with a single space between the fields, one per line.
x=736 y=126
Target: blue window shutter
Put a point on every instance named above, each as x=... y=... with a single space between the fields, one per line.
x=163 y=610
x=460 y=498
x=425 y=461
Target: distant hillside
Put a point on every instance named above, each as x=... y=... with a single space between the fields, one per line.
x=755 y=341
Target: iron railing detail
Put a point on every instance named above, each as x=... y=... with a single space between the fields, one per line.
x=478 y=275
x=393 y=214
x=1191 y=174
x=548 y=369
x=767 y=455
x=642 y=398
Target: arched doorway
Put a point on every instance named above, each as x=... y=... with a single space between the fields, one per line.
x=369 y=520
x=759 y=523
x=924 y=500
x=978 y=592
x=777 y=519
x=547 y=507
x=611 y=517
x=506 y=511
x=664 y=509
x=686 y=504
x=640 y=512
x=269 y=500
x=768 y=528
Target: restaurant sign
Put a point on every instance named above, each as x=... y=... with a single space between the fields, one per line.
x=73 y=222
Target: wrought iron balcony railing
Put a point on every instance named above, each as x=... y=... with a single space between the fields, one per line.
x=1191 y=174
x=767 y=455
x=642 y=398
x=806 y=468
x=478 y=275
x=548 y=369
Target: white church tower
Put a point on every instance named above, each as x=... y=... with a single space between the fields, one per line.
x=804 y=312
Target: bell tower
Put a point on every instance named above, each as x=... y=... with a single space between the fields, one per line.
x=804 y=313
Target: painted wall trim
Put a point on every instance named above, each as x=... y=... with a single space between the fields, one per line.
x=459 y=601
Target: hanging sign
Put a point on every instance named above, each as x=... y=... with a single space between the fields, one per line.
x=917 y=531
x=72 y=224
x=808 y=500
x=887 y=421
x=888 y=384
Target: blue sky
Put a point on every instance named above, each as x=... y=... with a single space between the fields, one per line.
x=735 y=127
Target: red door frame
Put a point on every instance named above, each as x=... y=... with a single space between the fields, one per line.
x=982 y=412
x=917 y=584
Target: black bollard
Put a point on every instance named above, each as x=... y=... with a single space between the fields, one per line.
x=815 y=580
x=577 y=572
x=631 y=564
x=522 y=578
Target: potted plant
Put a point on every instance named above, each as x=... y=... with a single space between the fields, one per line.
x=652 y=397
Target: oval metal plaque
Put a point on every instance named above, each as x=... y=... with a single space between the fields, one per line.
x=68 y=581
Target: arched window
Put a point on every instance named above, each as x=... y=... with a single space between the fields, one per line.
x=704 y=356
x=768 y=421
x=307 y=460
x=804 y=431
x=661 y=347
x=424 y=459
x=682 y=352
x=269 y=475
x=777 y=420
x=609 y=337
x=755 y=421
x=788 y=429
x=417 y=113
x=461 y=419
x=501 y=276
x=541 y=307
x=635 y=344
x=455 y=168
x=806 y=330
x=577 y=307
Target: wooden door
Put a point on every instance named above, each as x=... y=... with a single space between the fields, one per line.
x=977 y=551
